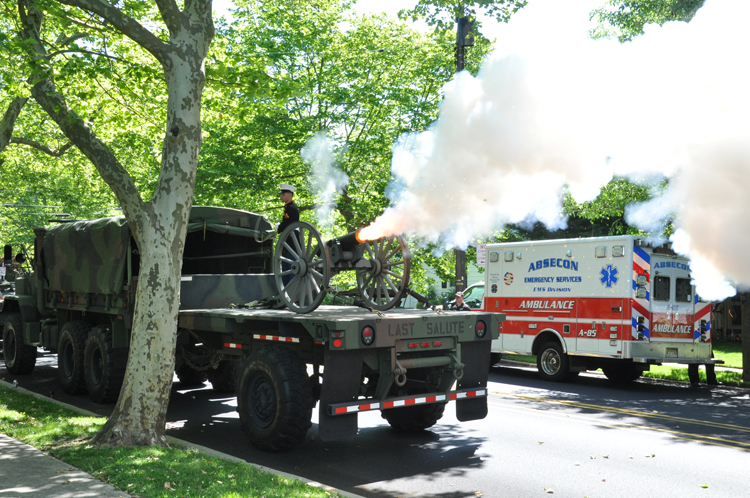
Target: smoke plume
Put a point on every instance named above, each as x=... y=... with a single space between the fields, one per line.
x=671 y=104
x=326 y=181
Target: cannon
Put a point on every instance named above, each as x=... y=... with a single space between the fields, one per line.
x=304 y=263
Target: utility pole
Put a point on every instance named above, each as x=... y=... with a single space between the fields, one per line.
x=464 y=38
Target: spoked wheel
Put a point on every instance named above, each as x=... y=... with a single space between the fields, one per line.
x=302 y=267
x=383 y=285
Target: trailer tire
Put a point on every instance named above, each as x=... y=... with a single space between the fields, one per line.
x=275 y=399
x=20 y=358
x=70 y=356
x=190 y=377
x=103 y=378
x=552 y=362
x=414 y=418
x=622 y=374
x=226 y=377
x=495 y=358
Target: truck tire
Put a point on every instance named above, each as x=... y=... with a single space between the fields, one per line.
x=70 y=350
x=414 y=418
x=275 y=399
x=622 y=374
x=552 y=363
x=20 y=358
x=495 y=358
x=190 y=377
x=226 y=377
x=103 y=379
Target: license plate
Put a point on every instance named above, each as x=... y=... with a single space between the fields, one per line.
x=671 y=352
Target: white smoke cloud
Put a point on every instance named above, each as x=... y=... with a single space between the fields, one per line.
x=673 y=103
x=326 y=181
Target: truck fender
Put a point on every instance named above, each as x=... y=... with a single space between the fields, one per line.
x=545 y=336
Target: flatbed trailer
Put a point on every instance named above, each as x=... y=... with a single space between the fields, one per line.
x=78 y=302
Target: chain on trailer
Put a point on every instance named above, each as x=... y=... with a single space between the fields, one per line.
x=196 y=359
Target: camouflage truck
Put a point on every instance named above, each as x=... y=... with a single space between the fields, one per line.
x=77 y=300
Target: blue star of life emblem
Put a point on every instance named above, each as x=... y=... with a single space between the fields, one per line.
x=609 y=275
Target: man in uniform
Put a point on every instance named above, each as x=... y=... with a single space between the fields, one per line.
x=291 y=211
x=291 y=214
x=460 y=304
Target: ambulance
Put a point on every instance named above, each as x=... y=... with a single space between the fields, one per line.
x=615 y=303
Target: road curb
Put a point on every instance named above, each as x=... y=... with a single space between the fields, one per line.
x=187 y=444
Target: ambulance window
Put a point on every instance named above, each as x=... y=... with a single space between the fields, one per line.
x=683 y=290
x=661 y=288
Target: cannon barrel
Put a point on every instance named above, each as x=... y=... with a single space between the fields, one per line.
x=347 y=242
x=345 y=247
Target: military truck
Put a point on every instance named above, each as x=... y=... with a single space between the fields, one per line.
x=246 y=328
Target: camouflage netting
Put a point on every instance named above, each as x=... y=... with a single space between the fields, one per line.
x=87 y=256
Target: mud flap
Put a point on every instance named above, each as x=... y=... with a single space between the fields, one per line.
x=342 y=377
x=476 y=358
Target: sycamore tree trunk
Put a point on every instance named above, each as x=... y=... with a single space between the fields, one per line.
x=159 y=225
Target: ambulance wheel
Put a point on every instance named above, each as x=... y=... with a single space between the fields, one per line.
x=622 y=374
x=275 y=399
x=552 y=363
x=414 y=418
x=70 y=351
x=20 y=358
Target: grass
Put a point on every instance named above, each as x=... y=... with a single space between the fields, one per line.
x=143 y=471
x=681 y=374
x=730 y=352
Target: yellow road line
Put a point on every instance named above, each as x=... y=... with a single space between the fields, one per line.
x=625 y=411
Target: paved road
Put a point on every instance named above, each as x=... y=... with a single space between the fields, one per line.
x=586 y=438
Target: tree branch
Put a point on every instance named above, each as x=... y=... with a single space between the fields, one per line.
x=128 y=26
x=32 y=143
x=44 y=91
x=9 y=120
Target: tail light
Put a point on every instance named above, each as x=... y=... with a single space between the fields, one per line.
x=480 y=329
x=368 y=336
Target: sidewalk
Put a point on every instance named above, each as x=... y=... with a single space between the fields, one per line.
x=26 y=471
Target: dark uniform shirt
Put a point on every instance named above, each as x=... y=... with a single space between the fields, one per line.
x=291 y=214
x=463 y=307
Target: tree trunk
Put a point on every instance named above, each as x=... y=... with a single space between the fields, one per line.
x=159 y=226
x=745 y=324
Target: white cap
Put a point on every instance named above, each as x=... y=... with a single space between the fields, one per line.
x=286 y=186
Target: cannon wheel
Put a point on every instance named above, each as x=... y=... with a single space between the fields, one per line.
x=301 y=253
x=383 y=286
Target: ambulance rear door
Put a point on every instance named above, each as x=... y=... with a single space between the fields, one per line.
x=672 y=300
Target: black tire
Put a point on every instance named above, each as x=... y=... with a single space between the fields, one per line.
x=552 y=363
x=495 y=358
x=226 y=377
x=20 y=358
x=275 y=399
x=414 y=418
x=190 y=377
x=622 y=374
x=103 y=378
x=70 y=350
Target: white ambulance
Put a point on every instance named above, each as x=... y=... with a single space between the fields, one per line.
x=614 y=303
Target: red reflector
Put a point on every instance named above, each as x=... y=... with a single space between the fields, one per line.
x=337 y=343
x=437 y=344
x=480 y=325
x=413 y=344
x=425 y=344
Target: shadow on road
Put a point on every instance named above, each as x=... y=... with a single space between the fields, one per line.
x=719 y=411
